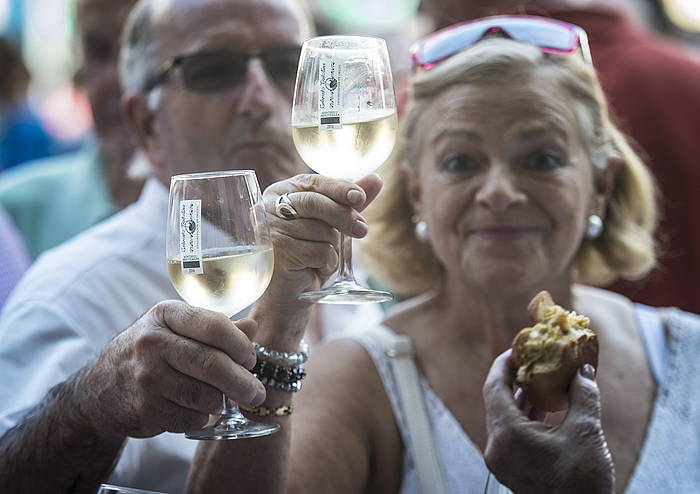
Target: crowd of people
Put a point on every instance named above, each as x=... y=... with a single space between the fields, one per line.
x=528 y=159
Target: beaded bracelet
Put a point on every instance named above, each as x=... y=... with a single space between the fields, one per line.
x=292 y=387
x=280 y=411
x=285 y=359
x=283 y=375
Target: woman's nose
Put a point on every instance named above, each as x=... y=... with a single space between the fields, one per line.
x=500 y=190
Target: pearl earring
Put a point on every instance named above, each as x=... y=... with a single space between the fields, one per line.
x=595 y=226
x=422 y=233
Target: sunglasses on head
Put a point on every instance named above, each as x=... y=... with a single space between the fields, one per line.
x=218 y=70
x=549 y=35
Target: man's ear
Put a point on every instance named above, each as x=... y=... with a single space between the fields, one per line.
x=604 y=185
x=140 y=120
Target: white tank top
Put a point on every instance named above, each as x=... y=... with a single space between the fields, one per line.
x=670 y=457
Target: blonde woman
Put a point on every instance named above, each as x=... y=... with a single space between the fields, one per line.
x=509 y=179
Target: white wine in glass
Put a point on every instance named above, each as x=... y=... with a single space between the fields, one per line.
x=219 y=255
x=344 y=126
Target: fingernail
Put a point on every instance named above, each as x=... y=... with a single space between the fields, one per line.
x=251 y=360
x=359 y=228
x=356 y=197
x=259 y=396
x=588 y=371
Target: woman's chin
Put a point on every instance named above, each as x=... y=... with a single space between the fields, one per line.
x=503 y=279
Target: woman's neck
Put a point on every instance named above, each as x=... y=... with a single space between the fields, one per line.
x=466 y=316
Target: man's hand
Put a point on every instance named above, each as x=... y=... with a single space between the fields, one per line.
x=532 y=457
x=306 y=248
x=168 y=370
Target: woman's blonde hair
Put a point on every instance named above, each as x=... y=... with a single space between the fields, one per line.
x=626 y=247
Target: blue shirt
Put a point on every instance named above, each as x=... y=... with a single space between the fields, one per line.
x=54 y=199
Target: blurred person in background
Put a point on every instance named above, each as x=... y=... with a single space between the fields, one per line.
x=22 y=134
x=54 y=199
x=14 y=260
x=65 y=355
x=675 y=19
x=653 y=87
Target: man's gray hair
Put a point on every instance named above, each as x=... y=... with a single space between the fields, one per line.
x=137 y=61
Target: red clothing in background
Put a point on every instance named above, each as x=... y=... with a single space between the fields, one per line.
x=654 y=91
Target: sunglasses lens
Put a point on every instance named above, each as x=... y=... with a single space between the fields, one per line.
x=213 y=71
x=282 y=66
x=448 y=43
x=542 y=33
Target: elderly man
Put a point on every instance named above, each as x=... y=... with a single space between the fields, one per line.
x=54 y=199
x=226 y=105
x=653 y=88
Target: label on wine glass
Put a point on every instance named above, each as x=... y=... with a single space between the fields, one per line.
x=191 y=236
x=330 y=103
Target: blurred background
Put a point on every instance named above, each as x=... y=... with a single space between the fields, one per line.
x=43 y=33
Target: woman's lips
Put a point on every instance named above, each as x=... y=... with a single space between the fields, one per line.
x=507 y=231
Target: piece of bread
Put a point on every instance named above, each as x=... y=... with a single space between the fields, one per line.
x=549 y=353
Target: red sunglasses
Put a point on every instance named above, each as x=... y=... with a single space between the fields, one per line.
x=549 y=35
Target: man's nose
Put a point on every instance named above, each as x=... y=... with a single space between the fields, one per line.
x=257 y=96
x=500 y=190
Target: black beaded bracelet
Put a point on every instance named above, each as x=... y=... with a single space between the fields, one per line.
x=283 y=375
x=289 y=388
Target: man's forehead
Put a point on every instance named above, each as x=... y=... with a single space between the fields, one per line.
x=250 y=24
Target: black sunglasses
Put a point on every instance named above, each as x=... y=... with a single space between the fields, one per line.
x=218 y=70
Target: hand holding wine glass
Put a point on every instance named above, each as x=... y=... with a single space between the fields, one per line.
x=344 y=126
x=220 y=258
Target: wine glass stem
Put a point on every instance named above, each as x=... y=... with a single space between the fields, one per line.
x=345 y=263
x=230 y=409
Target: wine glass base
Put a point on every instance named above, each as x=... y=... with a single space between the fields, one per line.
x=346 y=293
x=233 y=428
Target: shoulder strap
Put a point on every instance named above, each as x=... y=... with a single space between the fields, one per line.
x=653 y=325
x=399 y=349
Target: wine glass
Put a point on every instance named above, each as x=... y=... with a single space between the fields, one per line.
x=344 y=126
x=220 y=258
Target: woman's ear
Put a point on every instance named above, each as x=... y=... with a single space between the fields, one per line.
x=604 y=185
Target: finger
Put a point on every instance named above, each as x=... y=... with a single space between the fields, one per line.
x=248 y=326
x=187 y=392
x=498 y=391
x=537 y=415
x=584 y=399
x=313 y=205
x=213 y=367
x=302 y=254
x=340 y=191
x=527 y=408
x=306 y=229
x=213 y=329
x=371 y=184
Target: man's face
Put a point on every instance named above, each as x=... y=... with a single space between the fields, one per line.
x=100 y=24
x=244 y=126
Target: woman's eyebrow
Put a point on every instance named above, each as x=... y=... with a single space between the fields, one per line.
x=460 y=133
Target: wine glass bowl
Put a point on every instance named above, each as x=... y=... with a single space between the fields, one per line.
x=219 y=256
x=344 y=126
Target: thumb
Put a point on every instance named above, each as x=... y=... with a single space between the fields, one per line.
x=584 y=396
x=371 y=184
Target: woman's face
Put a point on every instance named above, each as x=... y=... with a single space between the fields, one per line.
x=505 y=184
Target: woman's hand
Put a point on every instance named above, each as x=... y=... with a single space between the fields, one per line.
x=529 y=456
x=306 y=248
